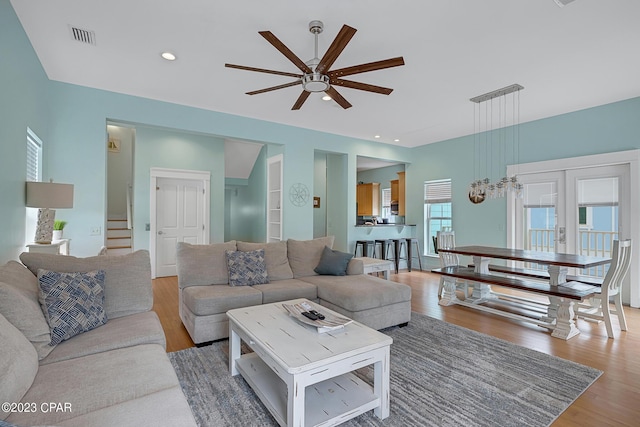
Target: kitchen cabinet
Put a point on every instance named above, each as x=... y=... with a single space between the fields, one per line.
x=368 y=199
x=394 y=190
x=401 y=194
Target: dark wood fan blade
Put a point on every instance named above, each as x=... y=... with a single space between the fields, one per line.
x=268 y=35
x=269 y=89
x=336 y=48
x=337 y=97
x=361 y=86
x=303 y=97
x=365 y=68
x=262 y=70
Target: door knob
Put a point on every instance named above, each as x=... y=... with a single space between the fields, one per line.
x=160 y=232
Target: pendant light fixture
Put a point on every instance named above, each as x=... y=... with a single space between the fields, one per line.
x=496 y=146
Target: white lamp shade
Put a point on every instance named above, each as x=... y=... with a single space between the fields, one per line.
x=49 y=195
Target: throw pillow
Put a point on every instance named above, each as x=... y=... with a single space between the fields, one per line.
x=201 y=265
x=23 y=310
x=333 y=263
x=127 y=283
x=275 y=256
x=304 y=255
x=72 y=302
x=247 y=268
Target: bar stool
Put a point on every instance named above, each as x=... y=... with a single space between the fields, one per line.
x=364 y=248
x=410 y=255
x=398 y=244
x=385 y=246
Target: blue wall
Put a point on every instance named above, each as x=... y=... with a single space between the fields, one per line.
x=245 y=204
x=77 y=151
x=162 y=148
x=72 y=122
x=23 y=102
x=608 y=128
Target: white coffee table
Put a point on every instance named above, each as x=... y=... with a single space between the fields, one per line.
x=303 y=377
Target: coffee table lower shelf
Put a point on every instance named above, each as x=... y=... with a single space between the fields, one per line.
x=327 y=403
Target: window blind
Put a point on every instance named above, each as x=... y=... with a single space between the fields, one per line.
x=386 y=197
x=598 y=192
x=437 y=191
x=34 y=156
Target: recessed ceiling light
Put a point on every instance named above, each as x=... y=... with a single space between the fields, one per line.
x=396 y=140
x=168 y=56
x=377 y=136
x=326 y=98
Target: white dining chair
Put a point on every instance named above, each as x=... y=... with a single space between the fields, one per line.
x=599 y=308
x=447 y=240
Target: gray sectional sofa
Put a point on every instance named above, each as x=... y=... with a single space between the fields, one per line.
x=205 y=294
x=117 y=374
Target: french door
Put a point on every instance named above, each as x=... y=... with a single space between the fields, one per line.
x=583 y=200
x=579 y=211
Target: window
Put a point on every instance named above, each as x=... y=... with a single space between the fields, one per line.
x=386 y=202
x=33 y=173
x=437 y=211
x=34 y=156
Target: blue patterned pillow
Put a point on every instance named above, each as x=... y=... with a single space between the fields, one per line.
x=247 y=268
x=72 y=302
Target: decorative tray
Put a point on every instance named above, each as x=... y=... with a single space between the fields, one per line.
x=330 y=322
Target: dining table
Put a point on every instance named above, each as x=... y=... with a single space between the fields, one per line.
x=557 y=264
x=562 y=293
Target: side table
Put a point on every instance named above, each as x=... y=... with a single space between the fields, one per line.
x=376 y=265
x=56 y=247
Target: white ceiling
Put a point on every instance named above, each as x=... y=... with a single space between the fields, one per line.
x=239 y=158
x=567 y=59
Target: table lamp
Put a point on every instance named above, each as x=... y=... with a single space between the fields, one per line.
x=48 y=196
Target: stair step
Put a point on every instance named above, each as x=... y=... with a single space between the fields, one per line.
x=119 y=251
x=118 y=233
x=116 y=223
x=113 y=242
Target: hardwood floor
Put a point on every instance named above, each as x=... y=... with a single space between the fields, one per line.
x=613 y=400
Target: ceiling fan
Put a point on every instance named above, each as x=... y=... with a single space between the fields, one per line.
x=317 y=75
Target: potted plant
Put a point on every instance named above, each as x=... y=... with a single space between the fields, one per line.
x=58 y=226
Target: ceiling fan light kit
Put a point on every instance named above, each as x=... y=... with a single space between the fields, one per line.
x=315 y=82
x=317 y=75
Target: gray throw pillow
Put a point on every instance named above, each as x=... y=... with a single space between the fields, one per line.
x=333 y=263
x=247 y=268
x=72 y=302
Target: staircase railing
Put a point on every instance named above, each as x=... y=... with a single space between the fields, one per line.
x=129 y=219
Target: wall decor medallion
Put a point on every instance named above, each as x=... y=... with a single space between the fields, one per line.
x=299 y=194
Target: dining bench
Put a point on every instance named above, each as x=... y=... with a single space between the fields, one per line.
x=540 y=274
x=558 y=315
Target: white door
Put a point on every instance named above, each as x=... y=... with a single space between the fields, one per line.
x=540 y=214
x=601 y=210
x=179 y=218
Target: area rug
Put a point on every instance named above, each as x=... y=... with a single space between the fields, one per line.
x=441 y=375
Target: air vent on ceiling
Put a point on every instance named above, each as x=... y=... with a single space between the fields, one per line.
x=83 y=36
x=563 y=3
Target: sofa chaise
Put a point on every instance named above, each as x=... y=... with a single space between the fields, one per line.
x=205 y=292
x=117 y=374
